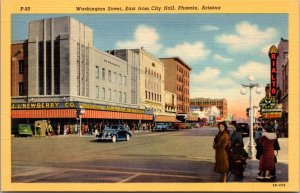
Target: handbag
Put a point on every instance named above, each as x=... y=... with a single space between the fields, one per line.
x=276 y=145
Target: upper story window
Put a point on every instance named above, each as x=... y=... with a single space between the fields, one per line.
x=21 y=88
x=103 y=73
x=120 y=79
x=116 y=78
x=97 y=71
x=109 y=76
x=21 y=66
x=125 y=80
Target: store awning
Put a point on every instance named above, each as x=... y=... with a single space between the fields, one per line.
x=192 y=118
x=71 y=113
x=166 y=118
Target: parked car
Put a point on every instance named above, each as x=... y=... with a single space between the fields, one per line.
x=244 y=127
x=115 y=133
x=178 y=126
x=23 y=130
x=160 y=127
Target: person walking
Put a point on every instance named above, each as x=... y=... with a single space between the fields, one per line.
x=267 y=157
x=221 y=144
x=38 y=130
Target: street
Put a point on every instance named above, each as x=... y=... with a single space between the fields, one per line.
x=178 y=156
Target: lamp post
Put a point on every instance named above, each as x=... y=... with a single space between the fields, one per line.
x=243 y=91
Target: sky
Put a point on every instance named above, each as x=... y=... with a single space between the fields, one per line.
x=221 y=49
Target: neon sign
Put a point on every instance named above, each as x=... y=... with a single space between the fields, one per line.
x=273 y=54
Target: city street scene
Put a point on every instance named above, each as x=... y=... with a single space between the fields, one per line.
x=117 y=98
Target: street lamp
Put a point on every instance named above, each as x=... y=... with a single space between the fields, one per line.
x=243 y=91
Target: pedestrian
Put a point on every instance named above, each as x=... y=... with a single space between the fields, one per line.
x=38 y=130
x=237 y=154
x=49 y=129
x=267 y=157
x=58 y=129
x=221 y=144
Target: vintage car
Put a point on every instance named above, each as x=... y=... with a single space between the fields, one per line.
x=115 y=133
x=23 y=130
x=163 y=127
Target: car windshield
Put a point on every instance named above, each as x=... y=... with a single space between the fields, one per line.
x=114 y=127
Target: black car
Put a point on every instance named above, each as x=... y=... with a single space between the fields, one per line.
x=244 y=128
x=115 y=133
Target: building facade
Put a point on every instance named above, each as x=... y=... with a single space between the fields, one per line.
x=149 y=71
x=283 y=83
x=204 y=103
x=63 y=72
x=177 y=80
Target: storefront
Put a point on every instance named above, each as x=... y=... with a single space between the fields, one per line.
x=66 y=113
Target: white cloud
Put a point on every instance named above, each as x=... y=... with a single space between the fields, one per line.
x=211 y=78
x=222 y=59
x=210 y=28
x=258 y=70
x=247 y=36
x=144 y=36
x=211 y=83
x=189 y=52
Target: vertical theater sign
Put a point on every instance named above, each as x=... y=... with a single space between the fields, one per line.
x=273 y=54
x=268 y=106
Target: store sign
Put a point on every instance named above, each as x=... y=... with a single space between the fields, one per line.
x=267 y=103
x=74 y=105
x=44 y=105
x=273 y=54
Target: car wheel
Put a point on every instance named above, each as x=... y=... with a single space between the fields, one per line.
x=127 y=137
x=114 y=139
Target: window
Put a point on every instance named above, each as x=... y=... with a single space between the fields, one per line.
x=21 y=88
x=109 y=94
x=120 y=96
x=21 y=66
x=125 y=97
x=125 y=80
x=97 y=92
x=146 y=94
x=115 y=95
x=97 y=72
x=103 y=93
x=103 y=73
x=153 y=64
x=116 y=78
x=120 y=77
x=109 y=76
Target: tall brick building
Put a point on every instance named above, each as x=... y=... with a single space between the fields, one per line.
x=177 y=80
x=19 y=68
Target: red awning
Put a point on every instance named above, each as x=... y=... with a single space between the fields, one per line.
x=165 y=118
x=71 y=113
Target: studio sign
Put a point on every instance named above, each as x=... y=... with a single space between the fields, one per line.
x=273 y=54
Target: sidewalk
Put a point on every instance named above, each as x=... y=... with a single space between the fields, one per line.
x=251 y=170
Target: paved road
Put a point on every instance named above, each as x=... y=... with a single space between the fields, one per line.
x=179 y=156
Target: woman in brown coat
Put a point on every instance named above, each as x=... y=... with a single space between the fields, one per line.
x=221 y=143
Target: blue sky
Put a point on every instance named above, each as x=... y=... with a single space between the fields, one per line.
x=222 y=49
